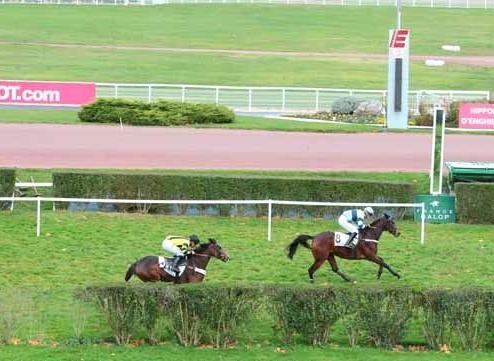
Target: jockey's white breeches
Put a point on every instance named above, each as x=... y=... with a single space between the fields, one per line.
x=170 y=247
x=350 y=227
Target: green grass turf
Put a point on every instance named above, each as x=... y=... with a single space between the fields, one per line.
x=258 y=27
x=255 y=352
x=128 y=66
x=78 y=249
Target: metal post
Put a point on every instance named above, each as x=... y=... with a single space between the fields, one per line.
x=270 y=215
x=116 y=91
x=398 y=14
x=183 y=94
x=217 y=96
x=431 y=172
x=443 y=122
x=422 y=225
x=317 y=99
x=38 y=218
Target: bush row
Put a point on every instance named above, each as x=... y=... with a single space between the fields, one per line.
x=462 y=319
x=474 y=202
x=7 y=184
x=197 y=187
x=155 y=113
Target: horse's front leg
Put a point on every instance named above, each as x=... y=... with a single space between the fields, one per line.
x=334 y=267
x=371 y=256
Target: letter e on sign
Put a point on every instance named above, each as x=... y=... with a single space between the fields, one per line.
x=399 y=39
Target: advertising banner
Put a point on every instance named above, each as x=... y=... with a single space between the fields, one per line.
x=476 y=116
x=46 y=93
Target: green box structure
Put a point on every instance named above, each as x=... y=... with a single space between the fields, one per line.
x=439 y=208
x=467 y=172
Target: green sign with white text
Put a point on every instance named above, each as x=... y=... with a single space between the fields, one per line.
x=439 y=208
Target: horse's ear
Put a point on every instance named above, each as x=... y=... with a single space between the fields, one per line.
x=212 y=240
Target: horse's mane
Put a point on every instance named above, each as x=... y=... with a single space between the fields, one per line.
x=377 y=221
x=202 y=248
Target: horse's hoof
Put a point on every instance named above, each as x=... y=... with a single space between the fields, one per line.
x=311 y=280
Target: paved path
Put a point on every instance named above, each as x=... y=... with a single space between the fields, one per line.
x=76 y=146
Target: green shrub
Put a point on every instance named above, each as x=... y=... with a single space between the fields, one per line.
x=382 y=314
x=308 y=312
x=161 y=113
x=7 y=185
x=345 y=105
x=122 y=308
x=474 y=202
x=435 y=311
x=153 y=186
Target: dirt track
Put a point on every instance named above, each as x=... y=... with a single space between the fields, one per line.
x=74 y=146
x=481 y=61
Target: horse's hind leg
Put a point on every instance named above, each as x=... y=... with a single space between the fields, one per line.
x=334 y=267
x=315 y=266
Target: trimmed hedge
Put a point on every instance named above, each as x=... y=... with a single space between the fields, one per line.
x=474 y=202
x=461 y=319
x=7 y=185
x=153 y=186
x=155 y=113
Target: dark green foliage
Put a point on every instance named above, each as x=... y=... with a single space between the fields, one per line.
x=382 y=314
x=155 y=113
x=307 y=312
x=7 y=185
x=195 y=314
x=153 y=186
x=474 y=202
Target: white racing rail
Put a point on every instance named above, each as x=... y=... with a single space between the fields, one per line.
x=269 y=202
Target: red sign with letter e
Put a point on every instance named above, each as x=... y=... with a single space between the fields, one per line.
x=399 y=41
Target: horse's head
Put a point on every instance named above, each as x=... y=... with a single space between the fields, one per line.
x=390 y=225
x=213 y=249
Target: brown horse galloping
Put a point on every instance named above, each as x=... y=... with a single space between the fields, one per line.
x=148 y=268
x=324 y=249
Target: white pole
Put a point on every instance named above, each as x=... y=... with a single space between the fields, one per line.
x=443 y=122
x=217 y=95
x=422 y=225
x=121 y=124
x=317 y=99
x=250 y=100
x=149 y=94
x=270 y=214
x=38 y=218
x=283 y=99
x=431 y=173
x=12 y=204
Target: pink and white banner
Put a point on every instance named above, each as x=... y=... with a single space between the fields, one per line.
x=46 y=92
x=476 y=116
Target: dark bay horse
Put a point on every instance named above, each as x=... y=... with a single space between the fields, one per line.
x=324 y=249
x=148 y=268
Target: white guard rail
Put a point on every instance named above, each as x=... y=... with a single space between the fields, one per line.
x=276 y=99
x=477 y=4
x=269 y=202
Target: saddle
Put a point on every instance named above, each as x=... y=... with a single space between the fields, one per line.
x=166 y=265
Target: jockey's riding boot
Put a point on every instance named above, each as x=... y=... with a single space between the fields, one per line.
x=175 y=263
x=352 y=241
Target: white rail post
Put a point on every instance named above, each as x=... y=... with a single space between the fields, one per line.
x=38 y=217
x=283 y=99
x=12 y=203
x=270 y=216
x=116 y=91
x=217 y=95
x=150 y=96
x=317 y=99
x=422 y=225
x=250 y=99
x=183 y=94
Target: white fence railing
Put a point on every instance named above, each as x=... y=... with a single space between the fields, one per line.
x=482 y=4
x=279 y=99
x=269 y=202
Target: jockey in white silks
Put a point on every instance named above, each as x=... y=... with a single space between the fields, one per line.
x=352 y=220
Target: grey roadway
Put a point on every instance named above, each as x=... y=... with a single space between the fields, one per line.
x=87 y=146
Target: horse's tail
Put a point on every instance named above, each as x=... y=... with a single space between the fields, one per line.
x=130 y=271
x=302 y=239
